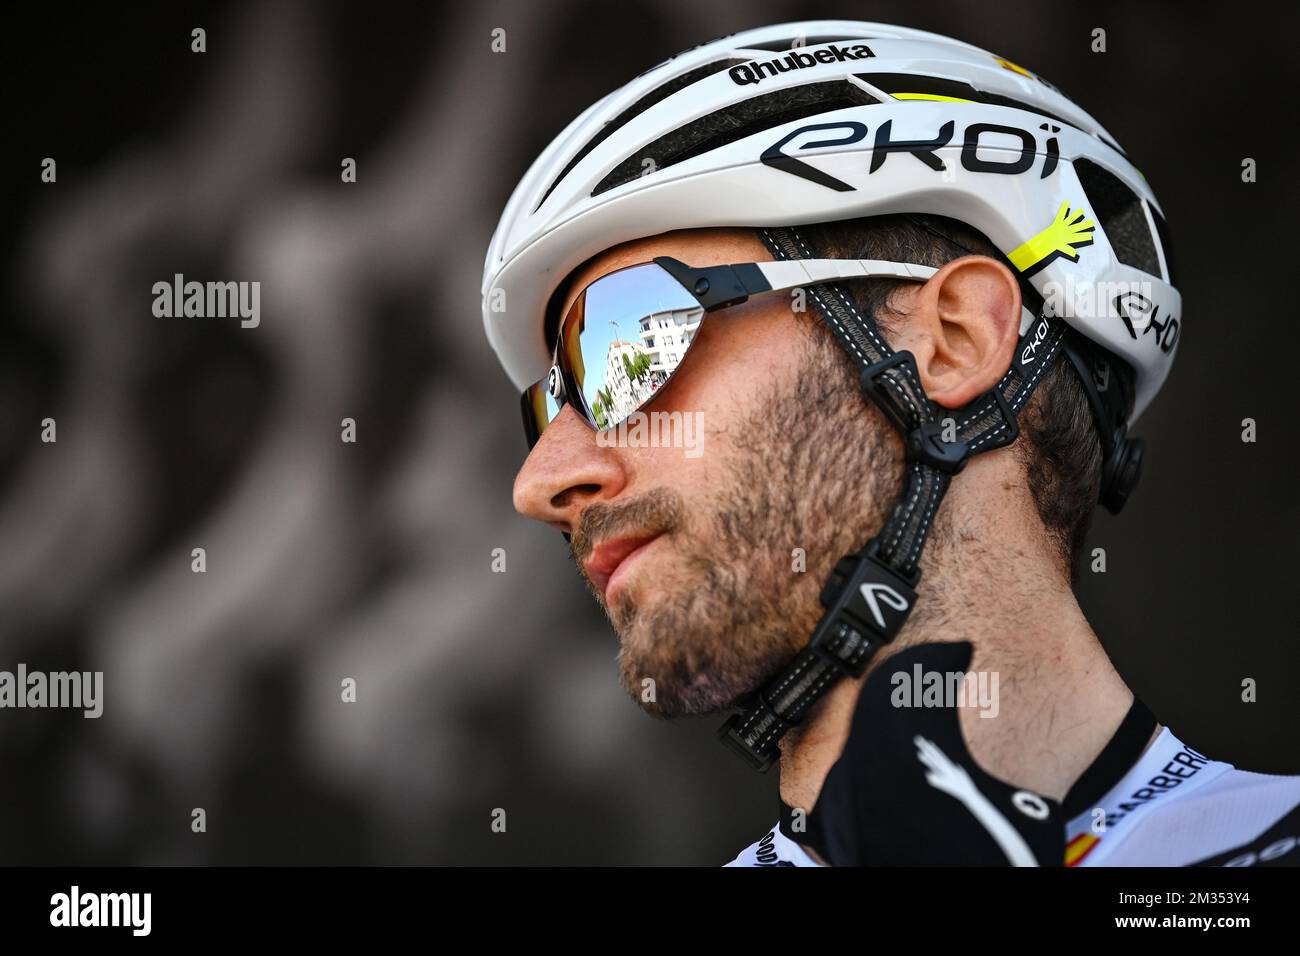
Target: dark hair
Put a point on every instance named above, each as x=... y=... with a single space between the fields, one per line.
x=1059 y=445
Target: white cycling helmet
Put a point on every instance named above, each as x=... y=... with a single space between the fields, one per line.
x=834 y=119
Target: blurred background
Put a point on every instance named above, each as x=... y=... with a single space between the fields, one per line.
x=372 y=560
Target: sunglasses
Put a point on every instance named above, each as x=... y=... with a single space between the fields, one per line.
x=628 y=331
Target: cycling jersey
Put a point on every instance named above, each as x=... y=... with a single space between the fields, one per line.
x=907 y=791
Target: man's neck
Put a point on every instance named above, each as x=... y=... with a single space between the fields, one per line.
x=1059 y=698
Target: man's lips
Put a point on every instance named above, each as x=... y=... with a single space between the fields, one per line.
x=607 y=557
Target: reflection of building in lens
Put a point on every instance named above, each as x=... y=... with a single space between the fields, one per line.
x=633 y=372
x=627 y=385
x=665 y=336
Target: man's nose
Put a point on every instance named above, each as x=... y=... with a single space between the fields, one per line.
x=565 y=472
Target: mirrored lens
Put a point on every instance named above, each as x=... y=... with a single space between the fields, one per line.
x=539 y=408
x=624 y=337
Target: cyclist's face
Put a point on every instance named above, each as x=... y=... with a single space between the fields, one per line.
x=732 y=355
x=705 y=526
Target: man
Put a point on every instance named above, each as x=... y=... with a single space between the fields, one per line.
x=911 y=297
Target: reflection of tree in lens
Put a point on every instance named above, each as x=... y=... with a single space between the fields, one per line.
x=600 y=408
x=627 y=367
x=638 y=370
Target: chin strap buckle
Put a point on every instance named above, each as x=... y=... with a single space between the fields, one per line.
x=867 y=604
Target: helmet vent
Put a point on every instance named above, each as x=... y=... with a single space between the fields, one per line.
x=737 y=121
x=1162 y=231
x=899 y=83
x=1120 y=212
x=785 y=46
x=661 y=92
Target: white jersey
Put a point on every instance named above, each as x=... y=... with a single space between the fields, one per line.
x=1171 y=807
x=1213 y=812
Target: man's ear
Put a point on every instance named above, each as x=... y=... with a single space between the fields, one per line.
x=962 y=326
